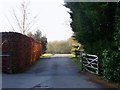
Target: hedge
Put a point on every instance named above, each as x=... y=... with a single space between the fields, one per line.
x=19 y=52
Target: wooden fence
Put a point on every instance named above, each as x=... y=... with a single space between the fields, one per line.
x=89 y=62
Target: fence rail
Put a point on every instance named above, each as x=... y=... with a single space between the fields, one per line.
x=90 y=63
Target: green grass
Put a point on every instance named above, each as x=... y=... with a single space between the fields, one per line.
x=76 y=60
x=46 y=55
x=72 y=55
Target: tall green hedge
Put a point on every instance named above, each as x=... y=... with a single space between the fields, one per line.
x=97 y=27
x=111 y=65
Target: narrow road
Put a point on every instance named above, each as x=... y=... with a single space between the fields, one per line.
x=52 y=72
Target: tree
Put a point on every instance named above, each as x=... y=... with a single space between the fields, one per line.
x=38 y=35
x=90 y=21
x=23 y=22
x=97 y=27
x=44 y=44
x=39 y=38
x=60 y=47
x=29 y=34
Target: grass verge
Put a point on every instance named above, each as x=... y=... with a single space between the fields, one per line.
x=76 y=60
x=46 y=55
x=72 y=55
x=93 y=77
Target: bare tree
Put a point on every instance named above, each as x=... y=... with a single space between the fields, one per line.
x=23 y=23
x=29 y=34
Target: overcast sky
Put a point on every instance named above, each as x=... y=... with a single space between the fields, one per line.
x=53 y=19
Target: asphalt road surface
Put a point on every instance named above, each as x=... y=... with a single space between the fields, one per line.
x=57 y=71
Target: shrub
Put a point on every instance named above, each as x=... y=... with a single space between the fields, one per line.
x=111 y=65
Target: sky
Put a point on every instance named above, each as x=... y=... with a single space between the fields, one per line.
x=53 y=19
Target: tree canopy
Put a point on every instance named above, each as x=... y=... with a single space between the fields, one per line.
x=96 y=25
x=60 y=47
x=92 y=22
x=39 y=38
